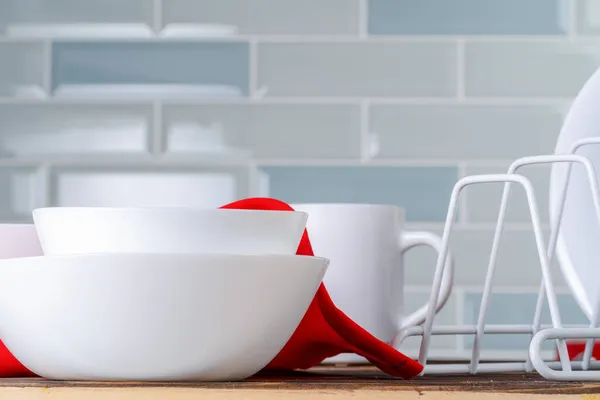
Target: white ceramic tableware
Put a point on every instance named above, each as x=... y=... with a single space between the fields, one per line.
x=153 y=317
x=366 y=244
x=578 y=250
x=19 y=240
x=80 y=230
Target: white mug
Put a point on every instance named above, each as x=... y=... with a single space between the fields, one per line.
x=365 y=244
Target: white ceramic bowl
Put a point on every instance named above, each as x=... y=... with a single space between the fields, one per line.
x=84 y=230
x=153 y=317
x=19 y=240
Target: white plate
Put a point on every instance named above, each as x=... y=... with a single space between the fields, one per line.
x=145 y=91
x=82 y=230
x=79 y=30
x=578 y=247
x=153 y=317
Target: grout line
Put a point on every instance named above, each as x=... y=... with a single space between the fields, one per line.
x=41 y=187
x=158 y=16
x=155 y=139
x=363 y=19
x=48 y=67
x=449 y=39
x=253 y=182
x=156 y=130
x=119 y=161
x=248 y=187
x=409 y=101
x=398 y=162
x=572 y=24
x=324 y=39
x=460 y=69
x=253 y=69
x=44 y=189
x=365 y=153
x=463 y=205
x=157 y=119
x=358 y=162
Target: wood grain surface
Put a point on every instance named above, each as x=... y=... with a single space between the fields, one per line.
x=327 y=382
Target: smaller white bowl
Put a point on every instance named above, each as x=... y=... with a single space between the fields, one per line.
x=84 y=230
x=153 y=317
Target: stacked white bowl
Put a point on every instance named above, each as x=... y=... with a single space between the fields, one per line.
x=155 y=294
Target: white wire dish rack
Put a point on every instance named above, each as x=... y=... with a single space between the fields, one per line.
x=586 y=368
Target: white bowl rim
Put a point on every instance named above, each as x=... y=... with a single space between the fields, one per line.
x=164 y=208
x=142 y=256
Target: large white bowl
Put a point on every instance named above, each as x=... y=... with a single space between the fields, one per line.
x=578 y=246
x=19 y=240
x=84 y=230
x=153 y=317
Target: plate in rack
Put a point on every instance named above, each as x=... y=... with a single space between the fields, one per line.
x=578 y=246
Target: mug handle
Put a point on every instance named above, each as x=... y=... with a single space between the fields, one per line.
x=409 y=240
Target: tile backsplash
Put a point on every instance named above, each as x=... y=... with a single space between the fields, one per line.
x=138 y=63
x=468 y=17
x=379 y=101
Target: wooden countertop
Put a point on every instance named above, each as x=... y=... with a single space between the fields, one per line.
x=323 y=382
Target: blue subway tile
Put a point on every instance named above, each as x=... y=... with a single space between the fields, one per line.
x=269 y=17
x=153 y=63
x=76 y=11
x=467 y=17
x=516 y=308
x=423 y=191
x=358 y=69
x=521 y=68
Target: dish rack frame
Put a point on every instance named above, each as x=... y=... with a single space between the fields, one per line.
x=584 y=369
